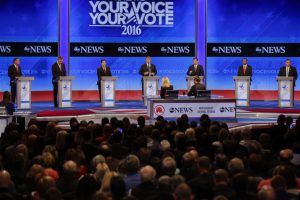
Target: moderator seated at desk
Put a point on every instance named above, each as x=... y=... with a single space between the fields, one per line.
x=197 y=86
x=165 y=86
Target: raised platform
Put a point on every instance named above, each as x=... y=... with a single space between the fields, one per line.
x=258 y=112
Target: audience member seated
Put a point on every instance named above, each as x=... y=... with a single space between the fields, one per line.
x=7 y=103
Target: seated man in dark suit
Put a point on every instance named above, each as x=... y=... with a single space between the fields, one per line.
x=197 y=86
x=165 y=86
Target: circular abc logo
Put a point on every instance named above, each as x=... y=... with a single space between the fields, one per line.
x=159 y=110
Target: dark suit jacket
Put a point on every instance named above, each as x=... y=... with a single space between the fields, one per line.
x=164 y=89
x=198 y=72
x=248 y=71
x=194 y=88
x=56 y=72
x=144 y=69
x=292 y=73
x=100 y=73
x=12 y=73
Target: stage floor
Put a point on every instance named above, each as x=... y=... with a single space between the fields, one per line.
x=258 y=112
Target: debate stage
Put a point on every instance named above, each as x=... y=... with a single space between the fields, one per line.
x=258 y=112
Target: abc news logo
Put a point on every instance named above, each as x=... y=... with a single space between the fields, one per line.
x=227 y=109
x=5 y=49
x=227 y=49
x=253 y=49
x=181 y=110
x=89 y=49
x=132 y=49
x=38 y=49
x=175 y=49
x=271 y=50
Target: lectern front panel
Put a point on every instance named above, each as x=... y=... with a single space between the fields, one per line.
x=66 y=93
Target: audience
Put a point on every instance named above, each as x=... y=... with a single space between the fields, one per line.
x=120 y=160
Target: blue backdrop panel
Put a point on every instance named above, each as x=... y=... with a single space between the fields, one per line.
x=177 y=26
x=251 y=21
x=28 y=21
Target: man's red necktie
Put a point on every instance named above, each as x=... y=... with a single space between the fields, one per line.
x=244 y=70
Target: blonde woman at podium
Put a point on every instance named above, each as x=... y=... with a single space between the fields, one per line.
x=165 y=86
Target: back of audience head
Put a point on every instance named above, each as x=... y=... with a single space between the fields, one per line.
x=183 y=192
x=148 y=174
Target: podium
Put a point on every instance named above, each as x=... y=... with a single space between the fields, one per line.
x=190 y=81
x=64 y=97
x=108 y=91
x=285 y=91
x=24 y=92
x=150 y=84
x=242 y=90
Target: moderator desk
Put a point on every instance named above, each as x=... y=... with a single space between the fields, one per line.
x=193 y=107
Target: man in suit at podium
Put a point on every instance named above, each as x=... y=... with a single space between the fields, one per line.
x=147 y=69
x=245 y=69
x=14 y=71
x=58 y=69
x=103 y=70
x=195 y=69
x=288 y=70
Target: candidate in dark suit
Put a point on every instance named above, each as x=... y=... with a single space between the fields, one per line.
x=195 y=69
x=147 y=69
x=245 y=69
x=288 y=71
x=103 y=70
x=197 y=86
x=14 y=71
x=165 y=86
x=58 y=69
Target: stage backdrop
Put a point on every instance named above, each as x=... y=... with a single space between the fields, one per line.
x=124 y=32
x=29 y=30
x=266 y=32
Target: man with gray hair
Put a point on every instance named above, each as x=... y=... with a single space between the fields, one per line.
x=147 y=187
x=168 y=166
